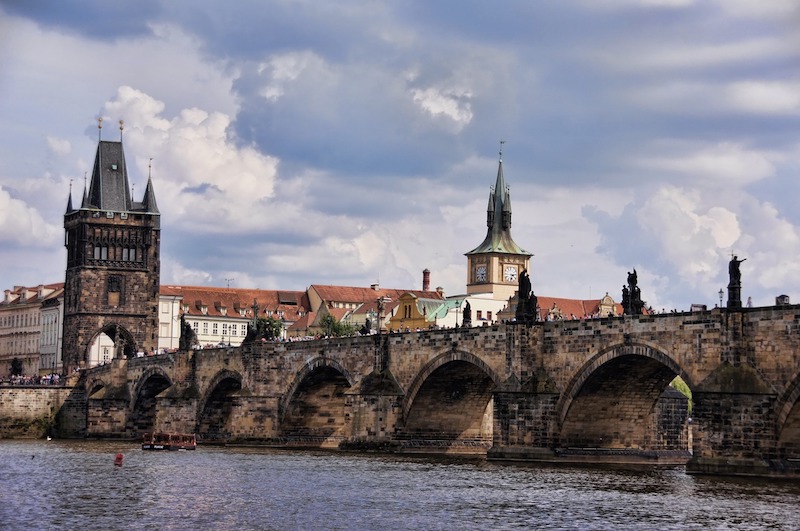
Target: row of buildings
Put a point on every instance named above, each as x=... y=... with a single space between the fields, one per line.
x=113 y=304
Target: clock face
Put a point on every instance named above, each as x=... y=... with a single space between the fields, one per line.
x=480 y=273
x=510 y=273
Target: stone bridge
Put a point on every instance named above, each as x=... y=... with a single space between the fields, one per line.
x=565 y=390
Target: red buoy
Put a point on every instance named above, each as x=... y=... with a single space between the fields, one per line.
x=118 y=460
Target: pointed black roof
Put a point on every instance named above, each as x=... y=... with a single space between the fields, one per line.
x=109 y=188
x=69 y=201
x=498 y=219
x=149 y=199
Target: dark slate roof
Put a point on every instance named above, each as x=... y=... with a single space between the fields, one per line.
x=498 y=237
x=109 y=188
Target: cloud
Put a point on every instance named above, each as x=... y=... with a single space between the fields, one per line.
x=718 y=165
x=760 y=97
x=203 y=180
x=346 y=144
x=59 y=146
x=21 y=224
x=450 y=103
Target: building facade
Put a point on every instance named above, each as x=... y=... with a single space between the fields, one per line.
x=30 y=319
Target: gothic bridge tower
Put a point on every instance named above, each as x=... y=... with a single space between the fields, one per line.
x=113 y=263
x=495 y=265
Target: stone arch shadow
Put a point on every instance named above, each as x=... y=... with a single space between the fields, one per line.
x=212 y=385
x=576 y=383
x=148 y=386
x=787 y=419
x=440 y=360
x=308 y=368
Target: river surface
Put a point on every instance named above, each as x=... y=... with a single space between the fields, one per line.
x=75 y=485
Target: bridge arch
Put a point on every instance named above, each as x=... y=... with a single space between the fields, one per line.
x=143 y=406
x=313 y=405
x=788 y=420
x=451 y=398
x=611 y=399
x=215 y=406
x=434 y=364
x=94 y=385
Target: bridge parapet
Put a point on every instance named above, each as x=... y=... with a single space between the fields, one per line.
x=540 y=387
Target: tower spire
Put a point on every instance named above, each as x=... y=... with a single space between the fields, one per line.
x=498 y=218
x=121 y=127
x=99 y=128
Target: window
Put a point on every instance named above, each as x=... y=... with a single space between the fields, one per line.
x=488 y=316
x=224 y=329
x=195 y=326
x=479 y=315
x=205 y=328
x=214 y=329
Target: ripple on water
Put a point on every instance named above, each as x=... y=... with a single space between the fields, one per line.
x=75 y=485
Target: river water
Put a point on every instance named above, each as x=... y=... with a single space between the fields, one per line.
x=75 y=485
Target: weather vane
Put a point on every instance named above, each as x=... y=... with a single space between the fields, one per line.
x=99 y=128
x=121 y=127
x=501 y=148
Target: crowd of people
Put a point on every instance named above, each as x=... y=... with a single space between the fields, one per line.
x=22 y=379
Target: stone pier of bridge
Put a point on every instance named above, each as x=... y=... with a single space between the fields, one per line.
x=583 y=390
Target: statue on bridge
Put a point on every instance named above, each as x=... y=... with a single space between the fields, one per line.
x=467 y=322
x=188 y=337
x=735 y=282
x=734 y=271
x=632 y=303
x=526 y=300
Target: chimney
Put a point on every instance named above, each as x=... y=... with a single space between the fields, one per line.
x=375 y=287
x=426 y=279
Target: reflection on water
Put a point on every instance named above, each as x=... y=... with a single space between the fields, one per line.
x=74 y=484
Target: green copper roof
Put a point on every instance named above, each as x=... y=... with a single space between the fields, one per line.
x=498 y=220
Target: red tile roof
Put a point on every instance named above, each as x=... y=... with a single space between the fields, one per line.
x=367 y=295
x=291 y=303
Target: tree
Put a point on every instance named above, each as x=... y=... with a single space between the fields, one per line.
x=681 y=386
x=266 y=328
x=16 y=367
x=333 y=328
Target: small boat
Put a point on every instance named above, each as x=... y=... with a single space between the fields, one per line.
x=169 y=441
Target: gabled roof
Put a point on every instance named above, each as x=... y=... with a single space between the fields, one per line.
x=569 y=307
x=498 y=219
x=430 y=308
x=291 y=303
x=366 y=295
x=27 y=295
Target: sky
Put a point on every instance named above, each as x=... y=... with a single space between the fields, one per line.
x=355 y=142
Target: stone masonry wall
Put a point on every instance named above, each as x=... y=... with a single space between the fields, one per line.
x=29 y=412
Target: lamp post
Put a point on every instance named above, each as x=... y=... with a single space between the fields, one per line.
x=721 y=294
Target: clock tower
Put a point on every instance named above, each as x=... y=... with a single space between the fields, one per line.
x=495 y=265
